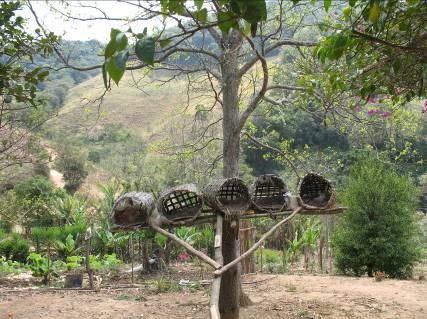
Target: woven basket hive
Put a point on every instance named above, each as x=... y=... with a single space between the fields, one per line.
x=132 y=209
x=268 y=193
x=180 y=203
x=229 y=196
x=316 y=192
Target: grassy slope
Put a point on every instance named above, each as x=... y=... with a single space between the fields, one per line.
x=146 y=111
x=141 y=110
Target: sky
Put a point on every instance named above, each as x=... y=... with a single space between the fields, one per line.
x=81 y=30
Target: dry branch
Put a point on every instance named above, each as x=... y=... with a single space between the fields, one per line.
x=187 y=246
x=254 y=247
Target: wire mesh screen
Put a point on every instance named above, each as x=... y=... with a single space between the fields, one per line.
x=269 y=193
x=132 y=209
x=229 y=196
x=182 y=202
x=316 y=191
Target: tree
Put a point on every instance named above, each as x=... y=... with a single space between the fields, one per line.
x=32 y=202
x=228 y=43
x=379 y=232
x=19 y=81
x=73 y=166
x=385 y=41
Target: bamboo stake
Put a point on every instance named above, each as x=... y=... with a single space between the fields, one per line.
x=254 y=247
x=131 y=256
x=87 y=238
x=216 y=282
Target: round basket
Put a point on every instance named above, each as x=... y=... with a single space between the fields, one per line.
x=229 y=196
x=132 y=209
x=180 y=203
x=269 y=193
x=316 y=192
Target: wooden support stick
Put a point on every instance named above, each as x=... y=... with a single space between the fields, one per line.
x=254 y=247
x=216 y=282
x=190 y=248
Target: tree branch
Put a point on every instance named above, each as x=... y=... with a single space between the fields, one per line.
x=254 y=247
x=187 y=246
x=245 y=68
x=258 y=97
x=275 y=150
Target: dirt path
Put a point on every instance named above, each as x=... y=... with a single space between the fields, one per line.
x=284 y=296
x=56 y=177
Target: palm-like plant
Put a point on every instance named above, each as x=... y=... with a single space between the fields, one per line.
x=309 y=239
x=71 y=208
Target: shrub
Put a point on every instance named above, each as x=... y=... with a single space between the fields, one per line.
x=14 y=247
x=108 y=262
x=379 y=231
x=38 y=265
x=10 y=267
x=74 y=262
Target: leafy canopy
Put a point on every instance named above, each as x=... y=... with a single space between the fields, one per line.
x=386 y=41
x=18 y=47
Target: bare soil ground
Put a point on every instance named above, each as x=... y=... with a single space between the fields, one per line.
x=281 y=296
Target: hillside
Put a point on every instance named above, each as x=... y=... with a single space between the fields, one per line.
x=123 y=126
x=141 y=110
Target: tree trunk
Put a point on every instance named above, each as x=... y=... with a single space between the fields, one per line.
x=230 y=282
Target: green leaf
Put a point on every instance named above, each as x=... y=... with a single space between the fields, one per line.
x=176 y=6
x=374 y=12
x=340 y=42
x=396 y=65
x=352 y=3
x=252 y=10
x=199 y=4
x=114 y=33
x=164 y=43
x=116 y=66
x=225 y=21
x=346 y=12
x=144 y=50
x=110 y=49
x=327 y=4
x=43 y=75
x=104 y=75
x=121 y=41
x=164 y=5
x=201 y=15
x=238 y=7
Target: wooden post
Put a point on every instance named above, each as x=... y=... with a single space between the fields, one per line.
x=216 y=282
x=247 y=239
x=48 y=264
x=131 y=254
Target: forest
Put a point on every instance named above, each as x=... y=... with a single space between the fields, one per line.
x=217 y=159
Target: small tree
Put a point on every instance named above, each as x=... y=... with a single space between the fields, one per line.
x=73 y=166
x=379 y=232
